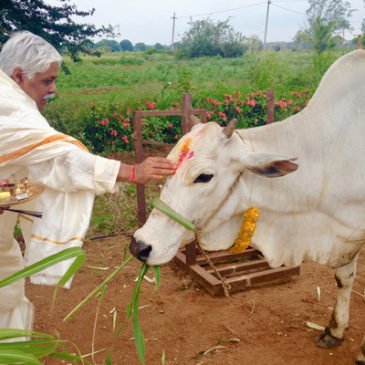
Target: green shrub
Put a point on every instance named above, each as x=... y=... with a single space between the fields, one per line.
x=107 y=130
x=125 y=60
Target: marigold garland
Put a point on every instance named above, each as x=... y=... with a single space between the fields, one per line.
x=247 y=230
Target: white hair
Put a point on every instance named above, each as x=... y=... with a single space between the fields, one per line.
x=29 y=52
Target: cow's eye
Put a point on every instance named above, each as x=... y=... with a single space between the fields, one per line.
x=203 y=178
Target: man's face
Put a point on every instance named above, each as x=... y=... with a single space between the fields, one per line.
x=40 y=85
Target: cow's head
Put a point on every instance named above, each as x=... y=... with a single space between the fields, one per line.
x=209 y=159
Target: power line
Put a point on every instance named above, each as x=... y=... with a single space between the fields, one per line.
x=220 y=11
x=292 y=11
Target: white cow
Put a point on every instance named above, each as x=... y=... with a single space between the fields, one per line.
x=313 y=213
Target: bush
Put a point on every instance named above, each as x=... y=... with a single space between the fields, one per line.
x=107 y=129
x=206 y=38
x=251 y=109
x=124 y=60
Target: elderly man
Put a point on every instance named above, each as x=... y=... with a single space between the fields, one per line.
x=29 y=147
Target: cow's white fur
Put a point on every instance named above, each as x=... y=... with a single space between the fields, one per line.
x=316 y=213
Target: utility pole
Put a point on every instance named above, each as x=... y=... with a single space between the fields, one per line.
x=173 y=31
x=266 y=22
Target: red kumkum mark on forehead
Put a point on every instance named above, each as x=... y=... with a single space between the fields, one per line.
x=185 y=153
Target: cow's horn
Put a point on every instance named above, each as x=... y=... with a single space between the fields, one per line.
x=229 y=129
x=194 y=120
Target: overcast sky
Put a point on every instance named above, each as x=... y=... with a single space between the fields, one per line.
x=151 y=22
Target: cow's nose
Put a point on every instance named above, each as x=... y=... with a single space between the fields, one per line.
x=140 y=249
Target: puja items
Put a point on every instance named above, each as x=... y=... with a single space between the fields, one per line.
x=16 y=193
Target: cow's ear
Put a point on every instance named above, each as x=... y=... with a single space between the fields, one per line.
x=270 y=165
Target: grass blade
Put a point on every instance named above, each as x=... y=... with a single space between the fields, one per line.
x=138 y=334
x=136 y=290
x=9 y=356
x=38 y=349
x=111 y=276
x=156 y=269
x=74 y=267
x=66 y=254
x=10 y=333
x=108 y=360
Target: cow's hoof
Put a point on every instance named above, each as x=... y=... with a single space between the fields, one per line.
x=359 y=363
x=327 y=341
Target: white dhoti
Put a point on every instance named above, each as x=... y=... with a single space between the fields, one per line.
x=16 y=311
x=29 y=147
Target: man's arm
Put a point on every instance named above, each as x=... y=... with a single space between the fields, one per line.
x=80 y=170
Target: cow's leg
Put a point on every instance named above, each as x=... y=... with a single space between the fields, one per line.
x=333 y=334
x=360 y=360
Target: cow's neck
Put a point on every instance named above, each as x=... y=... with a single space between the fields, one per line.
x=294 y=138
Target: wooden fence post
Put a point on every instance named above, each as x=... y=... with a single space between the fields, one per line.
x=141 y=196
x=270 y=106
x=186 y=111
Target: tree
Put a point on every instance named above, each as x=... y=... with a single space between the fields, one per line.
x=326 y=18
x=53 y=23
x=302 y=40
x=159 y=46
x=126 y=45
x=111 y=44
x=253 y=43
x=206 y=38
x=322 y=35
x=140 y=47
x=336 y=12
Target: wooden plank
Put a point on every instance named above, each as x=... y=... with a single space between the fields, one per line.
x=283 y=272
x=266 y=276
x=224 y=256
x=190 y=253
x=157 y=113
x=238 y=267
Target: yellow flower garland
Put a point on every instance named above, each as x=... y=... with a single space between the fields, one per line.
x=247 y=230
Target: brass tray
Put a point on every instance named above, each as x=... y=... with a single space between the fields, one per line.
x=33 y=190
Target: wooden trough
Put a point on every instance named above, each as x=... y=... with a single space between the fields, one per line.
x=241 y=271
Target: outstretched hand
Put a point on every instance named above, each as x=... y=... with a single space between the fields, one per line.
x=153 y=169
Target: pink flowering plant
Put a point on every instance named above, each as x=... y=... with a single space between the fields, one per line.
x=284 y=108
x=109 y=129
x=251 y=108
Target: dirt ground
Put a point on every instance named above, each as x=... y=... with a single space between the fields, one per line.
x=261 y=326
